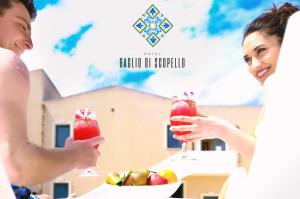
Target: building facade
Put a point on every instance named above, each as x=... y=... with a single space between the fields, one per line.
x=134 y=125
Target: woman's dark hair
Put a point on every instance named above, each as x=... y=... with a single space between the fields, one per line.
x=272 y=22
x=29 y=4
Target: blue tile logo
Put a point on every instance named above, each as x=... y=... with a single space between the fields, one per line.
x=153 y=25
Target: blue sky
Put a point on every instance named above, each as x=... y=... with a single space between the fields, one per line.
x=41 y=4
x=69 y=44
x=87 y=41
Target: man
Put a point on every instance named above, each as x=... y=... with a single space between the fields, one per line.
x=26 y=163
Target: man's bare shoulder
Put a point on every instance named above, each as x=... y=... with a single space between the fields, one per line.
x=14 y=75
x=10 y=64
x=7 y=57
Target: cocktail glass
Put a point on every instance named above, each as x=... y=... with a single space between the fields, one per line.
x=183 y=106
x=86 y=127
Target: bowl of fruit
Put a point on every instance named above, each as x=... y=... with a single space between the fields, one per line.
x=142 y=184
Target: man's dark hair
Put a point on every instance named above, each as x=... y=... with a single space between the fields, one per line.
x=272 y=22
x=29 y=4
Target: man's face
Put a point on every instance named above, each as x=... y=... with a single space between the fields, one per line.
x=15 y=29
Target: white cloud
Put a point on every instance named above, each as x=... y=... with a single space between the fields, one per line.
x=211 y=59
x=238 y=87
x=113 y=36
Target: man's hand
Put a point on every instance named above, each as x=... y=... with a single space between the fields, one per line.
x=84 y=151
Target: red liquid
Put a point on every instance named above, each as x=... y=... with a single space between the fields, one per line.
x=86 y=129
x=183 y=107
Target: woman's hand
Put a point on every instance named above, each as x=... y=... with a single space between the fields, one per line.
x=202 y=127
x=214 y=127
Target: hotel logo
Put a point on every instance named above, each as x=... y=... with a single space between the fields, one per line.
x=153 y=25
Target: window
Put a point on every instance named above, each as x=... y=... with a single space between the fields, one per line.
x=213 y=145
x=62 y=132
x=172 y=142
x=60 y=190
x=210 y=197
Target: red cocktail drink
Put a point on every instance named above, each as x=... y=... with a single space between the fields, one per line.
x=183 y=107
x=85 y=126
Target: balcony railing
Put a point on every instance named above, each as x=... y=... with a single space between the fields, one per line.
x=205 y=163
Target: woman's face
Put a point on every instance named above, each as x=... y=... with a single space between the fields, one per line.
x=261 y=53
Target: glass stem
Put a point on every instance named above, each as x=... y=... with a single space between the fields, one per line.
x=183 y=147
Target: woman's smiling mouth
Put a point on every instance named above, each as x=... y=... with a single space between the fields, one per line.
x=261 y=74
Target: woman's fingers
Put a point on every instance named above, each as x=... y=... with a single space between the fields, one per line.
x=181 y=118
x=183 y=128
x=190 y=137
x=191 y=119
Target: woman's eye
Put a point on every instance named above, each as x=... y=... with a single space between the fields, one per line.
x=247 y=59
x=260 y=50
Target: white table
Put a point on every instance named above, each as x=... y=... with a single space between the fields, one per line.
x=207 y=163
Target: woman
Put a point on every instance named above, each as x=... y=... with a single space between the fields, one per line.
x=261 y=46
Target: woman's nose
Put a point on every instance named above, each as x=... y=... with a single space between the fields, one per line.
x=255 y=62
